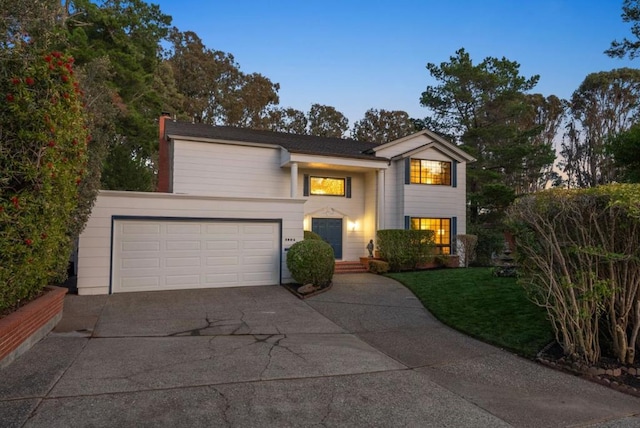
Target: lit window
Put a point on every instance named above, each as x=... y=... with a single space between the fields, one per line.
x=430 y=172
x=327 y=186
x=441 y=228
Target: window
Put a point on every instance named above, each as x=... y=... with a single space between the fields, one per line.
x=430 y=172
x=327 y=186
x=441 y=228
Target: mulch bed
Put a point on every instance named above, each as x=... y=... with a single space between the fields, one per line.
x=293 y=288
x=608 y=372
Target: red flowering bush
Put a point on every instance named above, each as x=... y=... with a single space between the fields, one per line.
x=41 y=165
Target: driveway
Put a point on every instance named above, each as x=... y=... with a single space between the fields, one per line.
x=365 y=353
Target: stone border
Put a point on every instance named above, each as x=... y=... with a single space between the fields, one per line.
x=293 y=289
x=22 y=329
x=594 y=374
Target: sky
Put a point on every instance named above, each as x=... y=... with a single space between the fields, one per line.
x=355 y=55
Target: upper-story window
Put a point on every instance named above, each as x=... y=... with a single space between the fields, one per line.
x=430 y=172
x=327 y=186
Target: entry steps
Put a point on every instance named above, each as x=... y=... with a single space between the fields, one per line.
x=349 y=267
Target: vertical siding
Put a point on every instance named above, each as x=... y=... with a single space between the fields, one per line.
x=94 y=249
x=228 y=170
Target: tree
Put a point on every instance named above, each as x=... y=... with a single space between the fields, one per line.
x=381 y=126
x=287 y=120
x=486 y=109
x=128 y=32
x=625 y=150
x=248 y=106
x=619 y=49
x=326 y=121
x=605 y=104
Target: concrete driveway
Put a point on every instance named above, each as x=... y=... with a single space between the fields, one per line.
x=365 y=353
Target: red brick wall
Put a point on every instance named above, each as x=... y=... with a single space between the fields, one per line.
x=20 y=325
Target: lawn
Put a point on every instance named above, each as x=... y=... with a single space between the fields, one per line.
x=473 y=301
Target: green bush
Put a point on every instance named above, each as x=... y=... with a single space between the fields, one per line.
x=378 y=266
x=405 y=249
x=579 y=258
x=312 y=235
x=43 y=157
x=490 y=242
x=311 y=262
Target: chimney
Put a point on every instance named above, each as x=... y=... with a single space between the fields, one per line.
x=163 y=155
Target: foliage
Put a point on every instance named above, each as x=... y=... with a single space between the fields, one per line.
x=287 y=120
x=605 y=104
x=490 y=242
x=128 y=33
x=630 y=13
x=579 y=258
x=624 y=148
x=485 y=108
x=326 y=121
x=378 y=266
x=311 y=262
x=405 y=249
x=312 y=235
x=382 y=126
x=495 y=310
x=43 y=159
x=467 y=248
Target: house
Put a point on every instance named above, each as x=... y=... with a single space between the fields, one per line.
x=231 y=201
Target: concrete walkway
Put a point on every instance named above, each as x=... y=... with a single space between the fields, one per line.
x=365 y=353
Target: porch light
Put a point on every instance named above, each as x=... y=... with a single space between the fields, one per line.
x=353 y=225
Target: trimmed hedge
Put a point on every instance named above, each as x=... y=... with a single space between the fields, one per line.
x=311 y=262
x=378 y=266
x=312 y=235
x=405 y=249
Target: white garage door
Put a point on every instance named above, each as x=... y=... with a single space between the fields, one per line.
x=181 y=254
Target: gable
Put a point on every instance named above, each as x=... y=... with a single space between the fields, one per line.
x=420 y=141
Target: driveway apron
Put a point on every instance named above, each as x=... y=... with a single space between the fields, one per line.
x=364 y=353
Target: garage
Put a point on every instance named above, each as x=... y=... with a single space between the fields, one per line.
x=183 y=253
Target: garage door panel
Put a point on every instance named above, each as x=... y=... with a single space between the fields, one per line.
x=144 y=229
x=223 y=229
x=177 y=254
x=222 y=261
x=222 y=278
x=137 y=263
x=183 y=245
x=141 y=245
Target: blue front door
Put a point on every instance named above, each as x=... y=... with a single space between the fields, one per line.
x=330 y=229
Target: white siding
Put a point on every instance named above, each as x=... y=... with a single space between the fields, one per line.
x=228 y=170
x=94 y=250
x=403 y=147
x=349 y=209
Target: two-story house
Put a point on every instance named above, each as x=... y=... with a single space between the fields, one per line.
x=231 y=201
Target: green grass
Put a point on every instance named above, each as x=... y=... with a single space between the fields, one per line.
x=473 y=301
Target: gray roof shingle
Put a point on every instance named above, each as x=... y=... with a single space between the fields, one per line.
x=305 y=144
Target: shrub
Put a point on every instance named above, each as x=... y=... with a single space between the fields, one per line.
x=311 y=262
x=312 y=235
x=378 y=266
x=405 y=249
x=579 y=257
x=43 y=154
x=490 y=243
x=467 y=248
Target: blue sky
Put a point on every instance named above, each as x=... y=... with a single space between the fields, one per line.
x=355 y=55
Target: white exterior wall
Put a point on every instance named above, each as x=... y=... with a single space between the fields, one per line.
x=228 y=170
x=403 y=147
x=348 y=209
x=370 y=208
x=421 y=200
x=435 y=201
x=94 y=248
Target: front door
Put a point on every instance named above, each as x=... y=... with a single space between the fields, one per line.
x=330 y=229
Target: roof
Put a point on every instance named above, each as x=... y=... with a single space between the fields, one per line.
x=305 y=144
x=450 y=148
